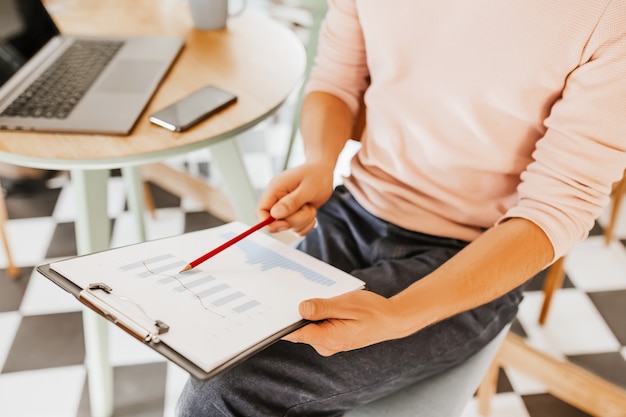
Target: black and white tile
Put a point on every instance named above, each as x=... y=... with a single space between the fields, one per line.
x=42 y=354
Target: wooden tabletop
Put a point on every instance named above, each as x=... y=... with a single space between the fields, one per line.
x=256 y=57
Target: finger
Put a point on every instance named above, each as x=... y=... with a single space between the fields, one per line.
x=312 y=333
x=264 y=208
x=300 y=222
x=278 y=226
x=339 y=307
x=289 y=205
x=303 y=230
x=279 y=187
x=294 y=337
x=324 y=351
x=265 y=204
x=303 y=221
x=318 y=336
x=317 y=309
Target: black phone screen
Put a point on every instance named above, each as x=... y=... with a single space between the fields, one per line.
x=193 y=108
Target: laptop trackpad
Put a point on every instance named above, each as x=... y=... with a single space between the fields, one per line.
x=130 y=77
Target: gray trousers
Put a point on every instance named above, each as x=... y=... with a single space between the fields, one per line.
x=288 y=379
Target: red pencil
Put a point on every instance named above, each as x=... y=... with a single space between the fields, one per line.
x=226 y=245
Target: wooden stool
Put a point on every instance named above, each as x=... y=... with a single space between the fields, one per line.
x=564 y=380
x=12 y=270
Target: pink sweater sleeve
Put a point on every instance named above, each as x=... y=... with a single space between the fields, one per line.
x=584 y=148
x=340 y=66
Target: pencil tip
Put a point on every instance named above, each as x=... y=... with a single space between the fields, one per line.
x=186 y=268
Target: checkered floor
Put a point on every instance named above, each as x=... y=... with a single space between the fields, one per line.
x=42 y=354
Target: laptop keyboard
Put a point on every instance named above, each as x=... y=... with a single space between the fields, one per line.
x=58 y=89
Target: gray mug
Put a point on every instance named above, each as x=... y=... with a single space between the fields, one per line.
x=212 y=14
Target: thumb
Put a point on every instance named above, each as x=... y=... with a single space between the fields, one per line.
x=291 y=203
x=279 y=210
x=288 y=205
x=315 y=309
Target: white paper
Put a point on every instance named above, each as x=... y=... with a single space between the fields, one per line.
x=222 y=307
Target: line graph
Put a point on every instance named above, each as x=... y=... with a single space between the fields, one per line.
x=213 y=295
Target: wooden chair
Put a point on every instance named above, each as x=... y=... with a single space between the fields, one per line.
x=12 y=270
x=564 y=380
x=556 y=272
x=619 y=189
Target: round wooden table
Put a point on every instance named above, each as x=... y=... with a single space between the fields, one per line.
x=255 y=57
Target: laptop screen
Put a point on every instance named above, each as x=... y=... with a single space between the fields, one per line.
x=25 y=27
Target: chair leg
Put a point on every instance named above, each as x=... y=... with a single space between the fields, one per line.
x=616 y=196
x=148 y=199
x=12 y=270
x=554 y=281
x=487 y=388
x=182 y=183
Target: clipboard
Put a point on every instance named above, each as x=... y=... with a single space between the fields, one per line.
x=149 y=337
x=156 y=329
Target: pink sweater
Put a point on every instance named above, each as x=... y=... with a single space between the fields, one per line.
x=481 y=111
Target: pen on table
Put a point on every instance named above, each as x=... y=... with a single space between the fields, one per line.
x=228 y=244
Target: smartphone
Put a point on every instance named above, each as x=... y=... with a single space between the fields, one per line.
x=193 y=109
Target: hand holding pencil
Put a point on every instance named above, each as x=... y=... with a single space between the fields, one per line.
x=298 y=213
x=301 y=207
x=293 y=196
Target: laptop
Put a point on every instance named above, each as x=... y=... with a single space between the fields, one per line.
x=54 y=82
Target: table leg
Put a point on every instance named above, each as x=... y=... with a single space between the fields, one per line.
x=134 y=196
x=93 y=230
x=228 y=157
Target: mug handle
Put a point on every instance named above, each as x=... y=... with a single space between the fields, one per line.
x=241 y=9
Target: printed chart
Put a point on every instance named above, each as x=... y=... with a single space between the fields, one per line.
x=241 y=297
x=212 y=292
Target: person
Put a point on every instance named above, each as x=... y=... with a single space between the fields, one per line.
x=494 y=132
